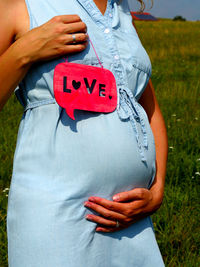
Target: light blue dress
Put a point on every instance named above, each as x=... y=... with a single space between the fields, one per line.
x=59 y=162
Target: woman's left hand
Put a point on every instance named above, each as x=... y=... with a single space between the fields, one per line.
x=126 y=208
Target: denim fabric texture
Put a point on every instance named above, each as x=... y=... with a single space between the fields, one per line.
x=59 y=163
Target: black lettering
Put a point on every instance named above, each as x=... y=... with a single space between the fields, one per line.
x=65 y=85
x=101 y=90
x=76 y=85
x=90 y=88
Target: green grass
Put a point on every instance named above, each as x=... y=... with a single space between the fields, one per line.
x=174 y=51
x=175 y=55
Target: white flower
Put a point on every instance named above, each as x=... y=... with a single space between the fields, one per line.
x=171 y=147
x=6 y=189
x=197 y=173
x=173 y=115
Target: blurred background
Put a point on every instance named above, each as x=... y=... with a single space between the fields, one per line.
x=171 y=8
x=173 y=44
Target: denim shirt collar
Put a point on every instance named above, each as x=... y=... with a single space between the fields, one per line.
x=101 y=20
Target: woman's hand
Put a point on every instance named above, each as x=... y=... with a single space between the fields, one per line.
x=126 y=208
x=53 y=39
x=48 y=41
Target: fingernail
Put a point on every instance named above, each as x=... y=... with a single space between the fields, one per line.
x=92 y=199
x=99 y=229
x=116 y=198
x=88 y=216
x=87 y=204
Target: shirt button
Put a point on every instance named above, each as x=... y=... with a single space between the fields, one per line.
x=116 y=57
x=107 y=30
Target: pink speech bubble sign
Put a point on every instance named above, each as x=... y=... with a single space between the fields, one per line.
x=84 y=87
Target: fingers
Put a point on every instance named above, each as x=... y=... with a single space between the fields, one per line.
x=105 y=225
x=104 y=212
x=135 y=194
x=108 y=229
x=110 y=212
x=67 y=24
x=75 y=27
x=137 y=204
x=80 y=37
x=126 y=210
x=101 y=220
x=61 y=29
x=65 y=31
x=111 y=205
x=70 y=49
x=66 y=18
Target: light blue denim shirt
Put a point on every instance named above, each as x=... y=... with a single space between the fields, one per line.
x=117 y=45
x=60 y=162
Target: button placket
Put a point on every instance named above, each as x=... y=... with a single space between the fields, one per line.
x=117 y=66
x=126 y=102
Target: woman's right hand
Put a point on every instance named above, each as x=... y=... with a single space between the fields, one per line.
x=21 y=47
x=53 y=39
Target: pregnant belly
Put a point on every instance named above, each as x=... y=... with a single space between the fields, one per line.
x=58 y=164
x=95 y=155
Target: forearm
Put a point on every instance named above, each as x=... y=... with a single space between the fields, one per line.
x=51 y=40
x=13 y=67
x=161 y=145
x=150 y=104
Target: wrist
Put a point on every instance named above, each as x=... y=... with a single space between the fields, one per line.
x=22 y=53
x=157 y=191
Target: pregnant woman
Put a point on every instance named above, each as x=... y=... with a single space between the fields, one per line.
x=82 y=190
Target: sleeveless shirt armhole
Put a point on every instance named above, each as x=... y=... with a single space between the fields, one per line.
x=30 y=15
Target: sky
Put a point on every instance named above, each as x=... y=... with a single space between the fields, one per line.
x=189 y=9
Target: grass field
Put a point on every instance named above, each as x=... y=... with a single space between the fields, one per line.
x=175 y=55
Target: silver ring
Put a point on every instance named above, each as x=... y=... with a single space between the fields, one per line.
x=117 y=224
x=74 y=38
